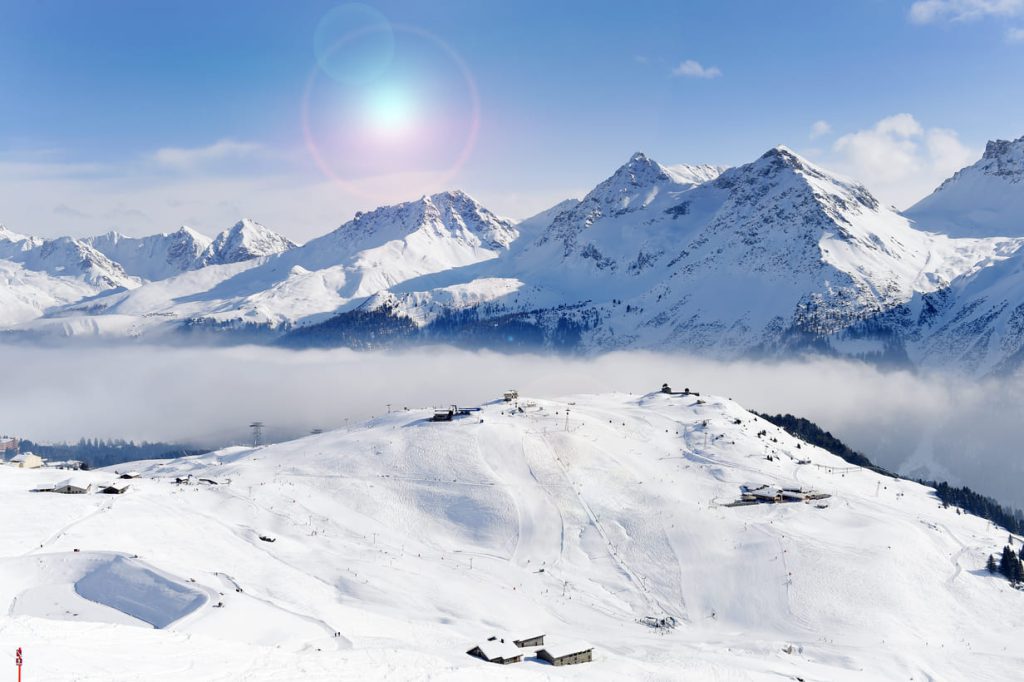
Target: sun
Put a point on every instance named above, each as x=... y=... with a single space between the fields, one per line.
x=390 y=111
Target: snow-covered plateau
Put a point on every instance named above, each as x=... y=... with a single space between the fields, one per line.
x=776 y=257
x=389 y=550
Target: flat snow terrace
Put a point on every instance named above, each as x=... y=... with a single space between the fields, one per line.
x=106 y=587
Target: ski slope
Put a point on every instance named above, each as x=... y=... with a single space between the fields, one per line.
x=390 y=549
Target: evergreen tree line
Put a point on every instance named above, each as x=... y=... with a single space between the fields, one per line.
x=961 y=498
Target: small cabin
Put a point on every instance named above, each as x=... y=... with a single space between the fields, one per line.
x=767 y=495
x=510 y=395
x=128 y=475
x=497 y=651
x=568 y=653
x=115 y=488
x=533 y=640
x=73 y=487
x=443 y=414
x=27 y=460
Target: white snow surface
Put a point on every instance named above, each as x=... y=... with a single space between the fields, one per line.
x=574 y=517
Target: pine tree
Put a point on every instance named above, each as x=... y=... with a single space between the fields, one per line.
x=1006 y=561
x=990 y=565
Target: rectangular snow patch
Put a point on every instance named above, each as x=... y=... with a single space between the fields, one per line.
x=139 y=592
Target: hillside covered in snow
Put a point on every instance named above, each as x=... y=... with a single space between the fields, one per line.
x=390 y=549
x=776 y=257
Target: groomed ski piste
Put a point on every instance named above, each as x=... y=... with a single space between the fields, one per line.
x=388 y=550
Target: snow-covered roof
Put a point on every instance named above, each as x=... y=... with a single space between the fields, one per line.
x=766 y=492
x=498 y=649
x=560 y=648
x=23 y=457
x=80 y=483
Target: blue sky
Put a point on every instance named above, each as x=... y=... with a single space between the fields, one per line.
x=143 y=115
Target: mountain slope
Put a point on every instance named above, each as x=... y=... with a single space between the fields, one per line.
x=984 y=199
x=399 y=544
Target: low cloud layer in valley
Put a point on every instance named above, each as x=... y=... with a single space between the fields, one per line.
x=937 y=425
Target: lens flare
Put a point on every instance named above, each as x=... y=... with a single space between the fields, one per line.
x=405 y=132
x=354 y=44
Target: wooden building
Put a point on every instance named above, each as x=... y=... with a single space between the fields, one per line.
x=535 y=640
x=497 y=651
x=73 y=487
x=567 y=653
x=115 y=488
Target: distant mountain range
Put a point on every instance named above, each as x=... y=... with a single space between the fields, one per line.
x=772 y=258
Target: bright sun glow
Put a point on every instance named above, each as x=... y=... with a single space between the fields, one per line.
x=389 y=111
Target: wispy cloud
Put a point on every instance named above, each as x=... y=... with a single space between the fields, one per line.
x=819 y=129
x=189 y=158
x=1015 y=35
x=900 y=158
x=928 y=11
x=694 y=69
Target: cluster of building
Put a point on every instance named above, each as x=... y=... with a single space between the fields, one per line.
x=764 y=493
x=447 y=414
x=505 y=652
x=83 y=486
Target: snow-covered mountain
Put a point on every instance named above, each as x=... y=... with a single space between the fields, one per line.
x=367 y=255
x=391 y=549
x=37 y=275
x=777 y=256
x=985 y=199
x=774 y=256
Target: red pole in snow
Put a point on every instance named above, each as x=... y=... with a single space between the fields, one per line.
x=17 y=661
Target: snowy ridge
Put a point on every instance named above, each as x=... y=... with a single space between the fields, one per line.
x=392 y=548
x=986 y=198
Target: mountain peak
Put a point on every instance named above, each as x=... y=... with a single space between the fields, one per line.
x=187 y=231
x=784 y=156
x=996 y=149
x=245 y=240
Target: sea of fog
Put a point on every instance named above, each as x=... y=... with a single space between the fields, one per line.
x=935 y=425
